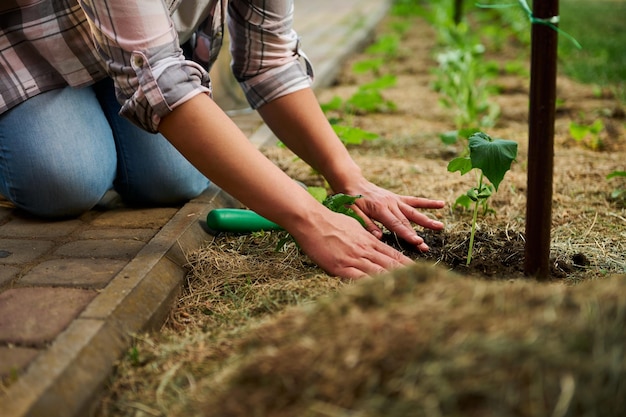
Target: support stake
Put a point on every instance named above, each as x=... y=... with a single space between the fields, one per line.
x=541 y=141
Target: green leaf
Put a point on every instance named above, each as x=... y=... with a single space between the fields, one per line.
x=463 y=201
x=472 y=194
x=366 y=100
x=461 y=164
x=577 y=131
x=449 y=138
x=340 y=203
x=616 y=174
x=334 y=104
x=319 y=193
x=596 y=127
x=467 y=132
x=368 y=65
x=353 y=135
x=492 y=156
x=485 y=192
x=380 y=83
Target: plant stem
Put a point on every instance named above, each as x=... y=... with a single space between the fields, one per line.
x=474 y=219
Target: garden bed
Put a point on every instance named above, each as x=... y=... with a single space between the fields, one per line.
x=482 y=340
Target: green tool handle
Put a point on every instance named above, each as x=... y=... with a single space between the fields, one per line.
x=238 y=221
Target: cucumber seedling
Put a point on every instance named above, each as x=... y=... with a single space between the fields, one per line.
x=491 y=159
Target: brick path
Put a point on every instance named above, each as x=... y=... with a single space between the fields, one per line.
x=73 y=293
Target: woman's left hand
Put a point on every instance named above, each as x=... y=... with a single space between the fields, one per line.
x=395 y=212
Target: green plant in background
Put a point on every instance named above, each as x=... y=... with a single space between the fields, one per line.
x=462 y=76
x=619 y=193
x=367 y=99
x=462 y=80
x=587 y=134
x=491 y=158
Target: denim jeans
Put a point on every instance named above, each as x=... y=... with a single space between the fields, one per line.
x=62 y=150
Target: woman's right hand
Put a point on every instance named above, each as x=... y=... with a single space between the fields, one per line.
x=342 y=247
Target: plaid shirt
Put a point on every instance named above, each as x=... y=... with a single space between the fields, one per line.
x=54 y=43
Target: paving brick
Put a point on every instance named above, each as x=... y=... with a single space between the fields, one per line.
x=35 y=316
x=112 y=248
x=5 y=211
x=14 y=359
x=7 y=273
x=83 y=273
x=36 y=228
x=142 y=235
x=17 y=251
x=135 y=218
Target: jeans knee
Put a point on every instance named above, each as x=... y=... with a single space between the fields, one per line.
x=163 y=189
x=59 y=199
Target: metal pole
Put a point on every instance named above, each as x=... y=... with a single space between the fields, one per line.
x=541 y=141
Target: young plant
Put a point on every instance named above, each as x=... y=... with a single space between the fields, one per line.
x=367 y=99
x=491 y=158
x=619 y=193
x=587 y=134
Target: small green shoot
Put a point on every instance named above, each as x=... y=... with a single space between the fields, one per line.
x=492 y=158
x=339 y=203
x=619 y=193
x=587 y=134
x=386 y=45
x=351 y=135
x=367 y=99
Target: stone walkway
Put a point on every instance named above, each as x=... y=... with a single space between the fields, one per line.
x=73 y=293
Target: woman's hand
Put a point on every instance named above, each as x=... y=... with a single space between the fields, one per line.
x=395 y=212
x=341 y=246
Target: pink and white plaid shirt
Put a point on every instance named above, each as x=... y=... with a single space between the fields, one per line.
x=48 y=44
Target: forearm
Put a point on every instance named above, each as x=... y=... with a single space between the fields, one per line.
x=298 y=121
x=215 y=145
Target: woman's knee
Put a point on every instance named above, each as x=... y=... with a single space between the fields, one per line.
x=57 y=154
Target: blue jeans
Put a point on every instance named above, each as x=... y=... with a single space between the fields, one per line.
x=62 y=150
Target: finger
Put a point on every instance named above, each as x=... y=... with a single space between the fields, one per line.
x=420 y=218
x=397 y=222
x=425 y=203
x=370 y=226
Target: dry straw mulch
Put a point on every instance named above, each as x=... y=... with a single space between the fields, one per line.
x=424 y=342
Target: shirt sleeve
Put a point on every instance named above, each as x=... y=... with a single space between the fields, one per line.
x=138 y=43
x=266 y=50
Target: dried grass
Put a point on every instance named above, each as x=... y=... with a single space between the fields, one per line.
x=422 y=342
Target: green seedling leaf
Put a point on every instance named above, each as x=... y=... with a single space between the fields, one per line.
x=368 y=65
x=449 y=138
x=340 y=203
x=319 y=193
x=472 y=194
x=616 y=174
x=467 y=132
x=385 y=45
x=484 y=192
x=492 y=156
x=463 y=201
x=461 y=164
x=596 y=127
x=334 y=104
x=353 y=135
x=578 y=131
x=380 y=83
x=366 y=100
